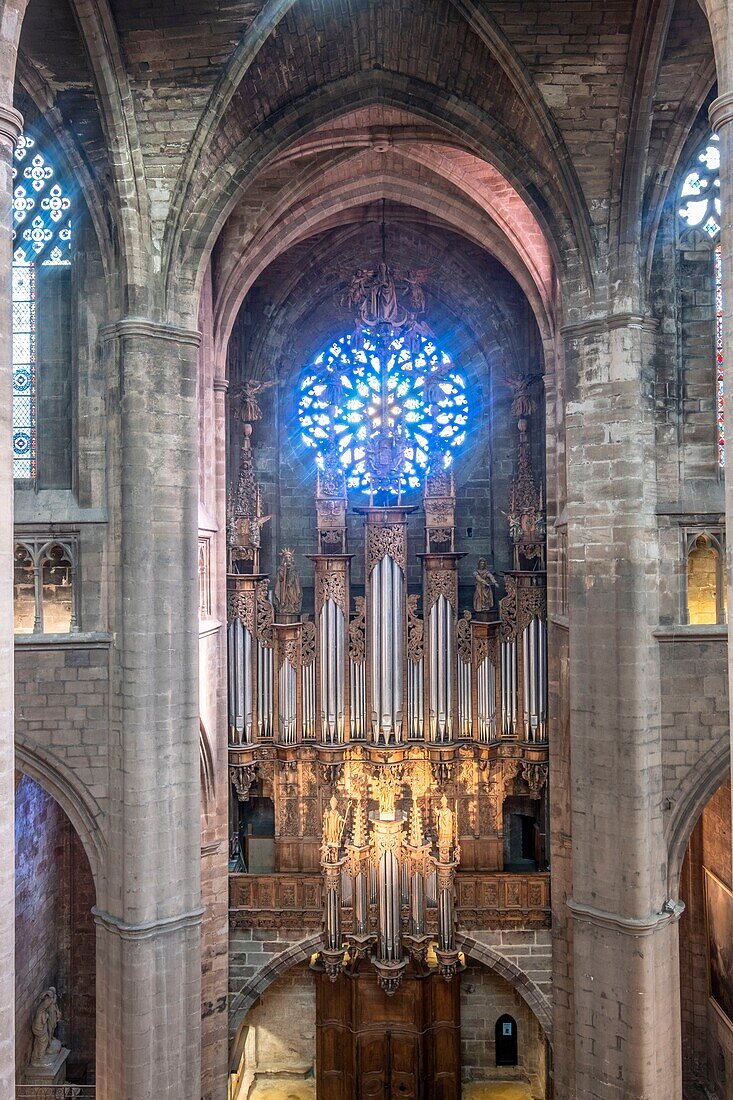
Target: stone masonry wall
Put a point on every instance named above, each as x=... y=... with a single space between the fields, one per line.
x=707 y=1038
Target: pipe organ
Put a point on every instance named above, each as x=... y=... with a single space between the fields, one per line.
x=394 y=729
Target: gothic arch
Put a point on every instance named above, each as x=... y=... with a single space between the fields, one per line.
x=81 y=809
x=301 y=951
x=473 y=131
x=691 y=796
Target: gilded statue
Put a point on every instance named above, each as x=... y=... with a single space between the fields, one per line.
x=387 y=786
x=288 y=591
x=333 y=826
x=483 y=593
x=445 y=820
x=45 y=1021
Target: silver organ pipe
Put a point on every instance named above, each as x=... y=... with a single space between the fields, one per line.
x=308 y=689
x=509 y=687
x=386 y=630
x=389 y=895
x=287 y=693
x=486 y=700
x=534 y=643
x=238 y=677
x=464 y=698
x=415 y=699
x=441 y=664
x=264 y=690
x=332 y=640
x=358 y=699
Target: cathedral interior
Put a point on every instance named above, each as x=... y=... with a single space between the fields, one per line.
x=364 y=690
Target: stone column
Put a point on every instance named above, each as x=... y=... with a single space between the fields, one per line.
x=11 y=125
x=625 y=970
x=721 y=120
x=148 y=938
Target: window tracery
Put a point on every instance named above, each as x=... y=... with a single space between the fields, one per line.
x=700 y=211
x=415 y=391
x=42 y=232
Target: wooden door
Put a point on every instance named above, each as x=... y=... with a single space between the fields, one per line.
x=387 y=1065
x=374 y=1047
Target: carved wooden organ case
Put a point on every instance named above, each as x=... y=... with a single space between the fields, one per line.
x=398 y=690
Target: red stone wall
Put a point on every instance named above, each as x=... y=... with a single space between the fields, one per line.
x=55 y=935
x=707 y=1038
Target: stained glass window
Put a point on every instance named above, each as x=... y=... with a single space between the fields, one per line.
x=412 y=389
x=41 y=235
x=700 y=210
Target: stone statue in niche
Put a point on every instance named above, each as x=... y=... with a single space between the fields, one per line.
x=288 y=591
x=45 y=1021
x=483 y=593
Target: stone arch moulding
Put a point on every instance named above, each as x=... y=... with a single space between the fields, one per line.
x=688 y=802
x=190 y=242
x=81 y=809
x=479 y=952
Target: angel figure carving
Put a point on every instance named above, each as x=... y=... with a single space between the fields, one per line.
x=248 y=395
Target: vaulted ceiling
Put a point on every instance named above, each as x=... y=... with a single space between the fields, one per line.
x=545 y=134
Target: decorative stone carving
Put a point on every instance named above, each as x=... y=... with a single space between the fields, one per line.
x=445 y=821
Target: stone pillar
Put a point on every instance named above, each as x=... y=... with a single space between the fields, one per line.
x=11 y=125
x=624 y=931
x=148 y=938
x=721 y=120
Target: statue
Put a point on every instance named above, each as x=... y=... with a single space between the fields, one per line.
x=333 y=826
x=248 y=394
x=483 y=594
x=288 y=591
x=45 y=1021
x=445 y=819
x=387 y=786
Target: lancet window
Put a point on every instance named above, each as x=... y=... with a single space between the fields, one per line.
x=41 y=238
x=707 y=590
x=699 y=215
x=44 y=586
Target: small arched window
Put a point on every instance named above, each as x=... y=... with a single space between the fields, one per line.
x=698 y=220
x=707 y=595
x=41 y=247
x=44 y=588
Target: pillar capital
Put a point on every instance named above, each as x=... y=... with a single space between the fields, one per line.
x=11 y=123
x=721 y=111
x=221 y=385
x=145 y=328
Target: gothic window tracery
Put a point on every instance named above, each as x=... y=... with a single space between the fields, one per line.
x=42 y=233
x=699 y=212
x=415 y=391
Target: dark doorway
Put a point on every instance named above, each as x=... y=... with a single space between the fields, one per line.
x=505 y=1034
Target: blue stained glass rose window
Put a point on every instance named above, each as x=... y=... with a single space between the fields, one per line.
x=412 y=388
